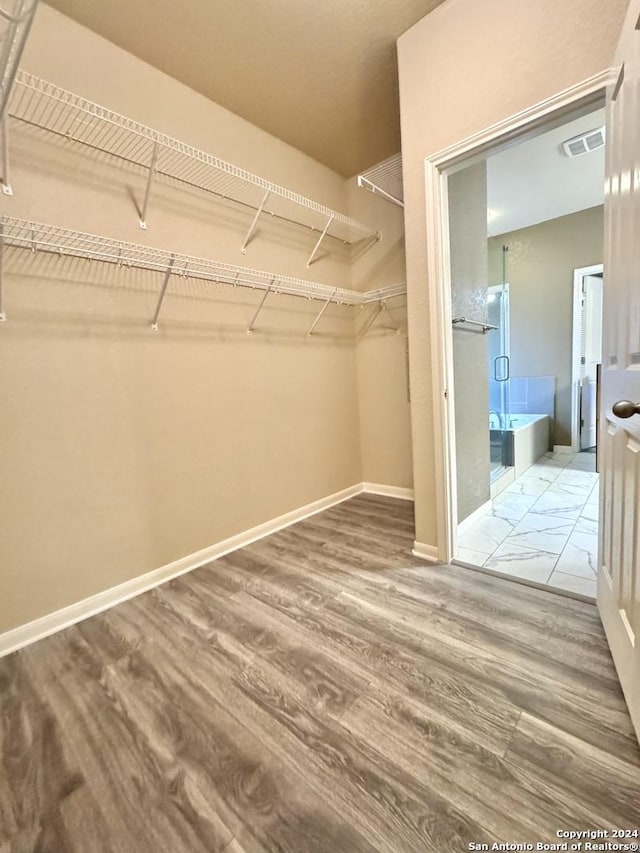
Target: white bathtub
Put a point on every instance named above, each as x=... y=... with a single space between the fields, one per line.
x=530 y=439
x=516 y=422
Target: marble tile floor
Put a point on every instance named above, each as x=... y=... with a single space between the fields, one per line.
x=544 y=527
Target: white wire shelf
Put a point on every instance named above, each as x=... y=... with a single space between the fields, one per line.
x=58 y=111
x=386 y=292
x=385 y=179
x=16 y=17
x=38 y=237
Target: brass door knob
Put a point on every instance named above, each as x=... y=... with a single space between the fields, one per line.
x=625 y=409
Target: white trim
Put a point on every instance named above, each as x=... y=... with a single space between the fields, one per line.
x=26 y=634
x=439 y=279
x=563 y=448
x=425 y=552
x=400 y=492
x=527 y=119
x=619 y=639
x=556 y=590
x=441 y=347
x=578 y=275
x=476 y=515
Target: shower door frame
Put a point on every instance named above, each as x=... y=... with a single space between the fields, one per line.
x=505 y=333
x=556 y=110
x=504 y=330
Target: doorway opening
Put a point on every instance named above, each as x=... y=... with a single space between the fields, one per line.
x=525 y=246
x=587 y=357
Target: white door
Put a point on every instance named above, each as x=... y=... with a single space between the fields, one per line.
x=619 y=562
x=590 y=357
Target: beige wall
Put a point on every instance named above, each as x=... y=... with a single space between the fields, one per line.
x=540 y=266
x=383 y=399
x=463 y=68
x=122 y=449
x=467 y=191
x=381 y=353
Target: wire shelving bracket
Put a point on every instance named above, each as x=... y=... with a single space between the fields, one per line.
x=371 y=320
x=321 y=312
x=385 y=179
x=163 y=290
x=45 y=105
x=386 y=308
x=260 y=307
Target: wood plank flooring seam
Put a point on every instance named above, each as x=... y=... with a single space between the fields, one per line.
x=319 y=691
x=506 y=749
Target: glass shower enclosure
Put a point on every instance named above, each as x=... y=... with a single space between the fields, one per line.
x=500 y=434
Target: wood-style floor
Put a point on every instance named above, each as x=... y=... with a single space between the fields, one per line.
x=320 y=690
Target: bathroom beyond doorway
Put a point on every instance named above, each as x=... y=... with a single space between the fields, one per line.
x=521 y=222
x=543 y=528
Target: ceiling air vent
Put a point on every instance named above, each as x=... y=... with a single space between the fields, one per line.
x=584 y=143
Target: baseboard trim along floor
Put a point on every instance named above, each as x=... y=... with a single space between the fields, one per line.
x=426 y=552
x=400 y=492
x=44 y=626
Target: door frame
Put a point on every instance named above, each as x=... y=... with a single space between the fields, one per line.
x=556 y=109
x=578 y=275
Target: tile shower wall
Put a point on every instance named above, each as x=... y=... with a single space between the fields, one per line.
x=533 y=395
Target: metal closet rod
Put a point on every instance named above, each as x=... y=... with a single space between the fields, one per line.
x=63 y=242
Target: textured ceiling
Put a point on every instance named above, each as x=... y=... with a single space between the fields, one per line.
x=534 y=180
x=319 y=75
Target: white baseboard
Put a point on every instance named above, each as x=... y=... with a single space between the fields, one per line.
x=475 y=516
x=501 y=483
x=563 y=448
x=388 y=491
x=26 y=634
x=426 y=552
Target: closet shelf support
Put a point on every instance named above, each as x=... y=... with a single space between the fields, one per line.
x=260 y=307
x=394 y=325
x=371 y=319
x=165 y=284
x=320 y=239
x=147 y=192
x=6 y=181
x=321 y=312
x=376 y=190
x=254 y=222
